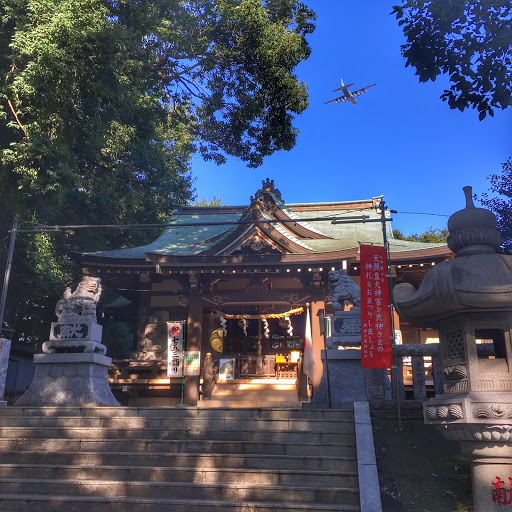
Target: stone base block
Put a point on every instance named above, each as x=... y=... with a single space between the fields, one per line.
x=53 y=347
x=349 y=382
x=492 y=482
x=69 y=379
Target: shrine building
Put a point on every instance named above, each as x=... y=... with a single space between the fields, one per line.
x=242 y=279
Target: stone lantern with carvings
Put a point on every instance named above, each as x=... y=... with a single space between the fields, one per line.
x=469 y=300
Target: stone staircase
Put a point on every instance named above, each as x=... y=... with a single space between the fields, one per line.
x=105 y=459
x=257 y=392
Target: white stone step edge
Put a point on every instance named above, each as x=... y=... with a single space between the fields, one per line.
x=369 y=490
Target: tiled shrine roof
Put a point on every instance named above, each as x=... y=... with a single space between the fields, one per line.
x=304 y=237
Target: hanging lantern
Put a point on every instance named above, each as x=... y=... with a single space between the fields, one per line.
x=266 y=331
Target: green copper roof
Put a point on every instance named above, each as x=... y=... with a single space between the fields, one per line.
x=183 y=240
x=192 y=232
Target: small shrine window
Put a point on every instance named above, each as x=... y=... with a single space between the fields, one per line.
x=496 y=337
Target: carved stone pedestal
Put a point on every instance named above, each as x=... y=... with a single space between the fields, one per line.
x=348 y=381
x=491 y=475
x=482 y=422
x=69 y=379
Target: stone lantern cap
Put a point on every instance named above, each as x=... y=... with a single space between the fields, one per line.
x=476 y=279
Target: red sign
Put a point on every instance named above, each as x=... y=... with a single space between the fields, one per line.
x=376 y=333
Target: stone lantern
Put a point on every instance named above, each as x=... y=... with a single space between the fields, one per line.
x=469 y=300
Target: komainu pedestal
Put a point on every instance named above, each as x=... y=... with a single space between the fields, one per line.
x=70 y=379
x=73 y=370
x=343 y=379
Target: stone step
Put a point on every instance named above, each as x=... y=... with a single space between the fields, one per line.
x=195 y=460
x=257 y=380
x=21 y=444
x=289 y=477
x=177 y=413
x=254 y=387
x=244 y=403
x=42 y=503
x=263 y=394
x=284 y=436
x=181 y=490
x=185 y=459
x=173 y=425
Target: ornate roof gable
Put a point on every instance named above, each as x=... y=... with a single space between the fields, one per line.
x=275 y=229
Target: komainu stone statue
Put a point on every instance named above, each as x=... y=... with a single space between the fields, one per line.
x=73 y=369
x=81 y=303
x=343 y=288
x=76 y=329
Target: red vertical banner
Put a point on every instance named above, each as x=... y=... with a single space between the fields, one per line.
x=376 y=345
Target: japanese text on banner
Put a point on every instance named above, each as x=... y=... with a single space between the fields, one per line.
x=175 y=348
x=376 y=345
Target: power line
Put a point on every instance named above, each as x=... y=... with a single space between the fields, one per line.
x=334 y=220
x=423 y=213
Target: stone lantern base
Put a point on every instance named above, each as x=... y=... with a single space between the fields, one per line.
x=482 y=423
x=491 y=473
x=69 y=379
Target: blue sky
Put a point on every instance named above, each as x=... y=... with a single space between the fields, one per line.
x=400 y=140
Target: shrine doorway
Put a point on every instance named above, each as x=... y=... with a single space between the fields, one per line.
x=259 y=346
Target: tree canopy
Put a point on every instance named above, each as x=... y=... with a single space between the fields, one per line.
x=102 y=104
x=431 y=235
x=470 y=41
x=209 y=201
x=499 y=201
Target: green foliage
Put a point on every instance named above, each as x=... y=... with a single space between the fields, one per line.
x=103 y=103
x=118 y=338
x=471 y=41
x=501 y=204
x=431 y=235
x=209 y=201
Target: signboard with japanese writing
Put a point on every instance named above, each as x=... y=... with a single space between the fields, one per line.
x=376 y=332
x=191 y=362
x=175 y=336
x=68 y=331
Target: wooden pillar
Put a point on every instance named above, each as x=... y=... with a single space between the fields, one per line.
x=396 y=320
x=193 y=342
x=318 y=343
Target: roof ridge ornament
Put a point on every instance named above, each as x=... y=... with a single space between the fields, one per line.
x=262 y=199
x=473 y=230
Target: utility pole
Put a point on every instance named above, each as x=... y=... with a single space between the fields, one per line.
x=3 y=300
x=391 y=309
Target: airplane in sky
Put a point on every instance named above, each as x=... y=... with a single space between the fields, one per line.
x=347 y=95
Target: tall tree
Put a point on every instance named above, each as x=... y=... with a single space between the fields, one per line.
x=102 y=104
x=499 y=201
x=431 y=235
x=470 y=41
x=209 y=201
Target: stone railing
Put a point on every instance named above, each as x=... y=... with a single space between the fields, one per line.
x=418 y=369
